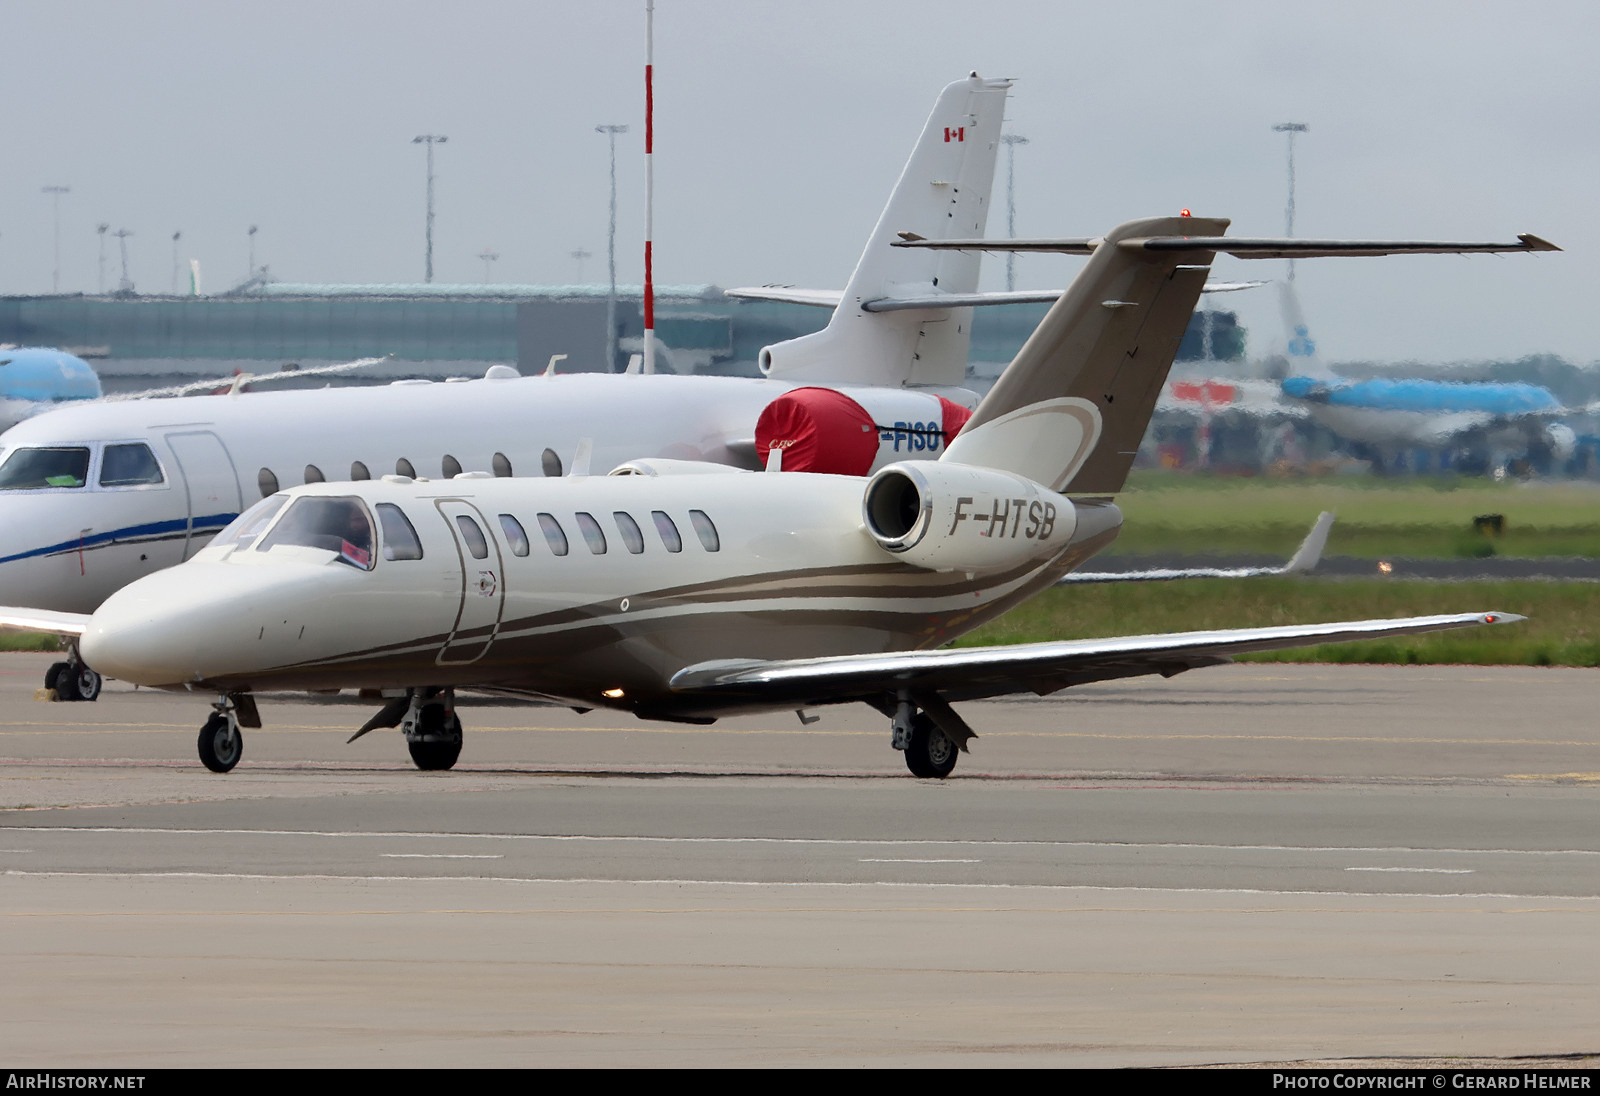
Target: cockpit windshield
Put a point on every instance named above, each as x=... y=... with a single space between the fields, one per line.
x=244 y=529
x=39 y=469
x=339 y=525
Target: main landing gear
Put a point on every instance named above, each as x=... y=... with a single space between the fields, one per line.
x=72 y=680
x=221 y=742
x=931 y=739
x=427 y=717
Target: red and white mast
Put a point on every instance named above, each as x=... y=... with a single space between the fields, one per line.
x=649 y=187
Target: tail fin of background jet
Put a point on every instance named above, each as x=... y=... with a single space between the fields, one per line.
x=943 y=193
x=1301 y=348
x=1071 y=409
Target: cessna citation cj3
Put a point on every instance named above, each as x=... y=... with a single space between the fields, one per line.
x=688 y=590
x=97 y=496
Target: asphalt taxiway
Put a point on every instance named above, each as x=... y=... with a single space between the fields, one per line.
x=1239 y=864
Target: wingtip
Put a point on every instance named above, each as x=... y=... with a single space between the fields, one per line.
x=1500 y=618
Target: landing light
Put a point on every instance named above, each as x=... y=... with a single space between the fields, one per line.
x=1385 y=567
x=612 y=693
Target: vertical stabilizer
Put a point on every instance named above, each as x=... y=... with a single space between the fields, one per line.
x=943 y=193
x=1301 y=348
x=1070 y=410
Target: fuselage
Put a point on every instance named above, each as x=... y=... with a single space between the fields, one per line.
x=93 y=497
x=590 y=590
x=1418 y=412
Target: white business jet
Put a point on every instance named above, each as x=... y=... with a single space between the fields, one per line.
x=689 y=590
x=97 y=496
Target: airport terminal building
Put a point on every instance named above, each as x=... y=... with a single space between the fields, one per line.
x=431 y=330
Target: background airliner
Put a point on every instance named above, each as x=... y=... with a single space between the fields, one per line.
x=34 y=379
x=1390 y=415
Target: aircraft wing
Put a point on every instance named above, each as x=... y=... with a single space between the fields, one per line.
x=43 y=620
x=1240 y=247
x=234 y=383
x=1305 y=559
x=970 y=673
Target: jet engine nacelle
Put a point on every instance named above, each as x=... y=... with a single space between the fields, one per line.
x=953 y=517
x=852 y=431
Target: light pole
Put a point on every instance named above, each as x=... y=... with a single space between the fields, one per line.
x=1011 y=141
x=251 y=235
x=429 y=139
x=122 y=235
x=581 y=255
x=488 y=256
x=1291 y=128
x=611 y=252
x=176 y=236
x=102 y=228
x=55 y=193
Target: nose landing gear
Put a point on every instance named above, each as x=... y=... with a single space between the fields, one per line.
x=72 y=680
x=221 y=742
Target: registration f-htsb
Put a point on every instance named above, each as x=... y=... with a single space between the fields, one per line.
x=688 y=590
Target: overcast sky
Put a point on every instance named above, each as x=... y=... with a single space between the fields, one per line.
x=782 y=125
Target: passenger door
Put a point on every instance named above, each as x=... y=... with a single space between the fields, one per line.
x=482 y=583
x=212 y=485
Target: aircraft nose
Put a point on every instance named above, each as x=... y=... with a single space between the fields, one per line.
x=168 y=629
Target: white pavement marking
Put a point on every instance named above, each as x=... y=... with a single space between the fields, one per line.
x=1435 y=871
x=846 y=841
x=444 y=855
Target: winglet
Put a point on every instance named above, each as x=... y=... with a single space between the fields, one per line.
x=1310 y=552
x=1534 y=243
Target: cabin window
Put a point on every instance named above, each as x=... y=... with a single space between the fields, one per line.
x=399 y=536
x=338 y=525
x=314 y=474
x=449 y=467
x=129 y=465
x=36 y=469
x=473 y=537
x=593 y=535
x=358 y=471
x=403 y=467
x=267 y=482
x=668 y=530
x=631 y=537
x=501 y=466
x=550 y=463
x=554 y=535
x=515 y=535
x=705 y=530
x=244 y=529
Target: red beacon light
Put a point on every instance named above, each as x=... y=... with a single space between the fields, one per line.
x=1183 y=212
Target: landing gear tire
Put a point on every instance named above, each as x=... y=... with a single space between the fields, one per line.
x=434 y=756
x=437 y=743
x=930 y=754
x=73 y=681
x=221 y=744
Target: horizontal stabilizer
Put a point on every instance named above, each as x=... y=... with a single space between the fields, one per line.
x=1303 y=562
x=970 y=673
x=1240 y=247
x=43 y=620
x=783 y=294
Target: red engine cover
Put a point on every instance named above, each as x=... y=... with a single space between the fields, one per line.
x=819 y=430
x=823 y=430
